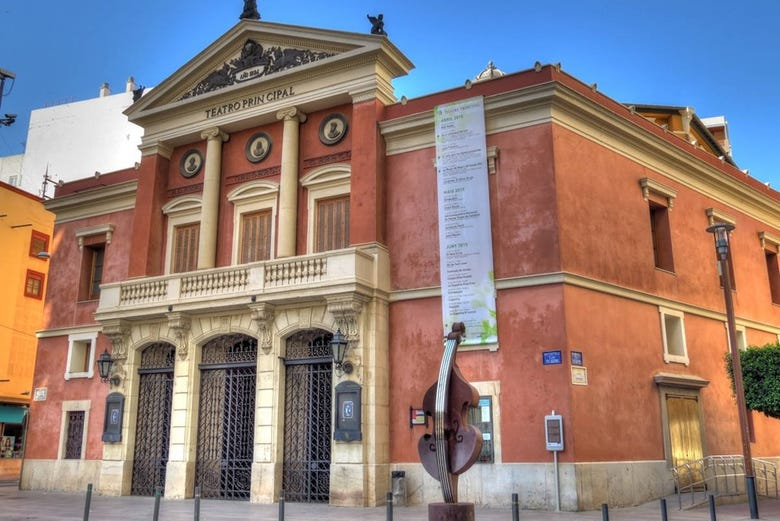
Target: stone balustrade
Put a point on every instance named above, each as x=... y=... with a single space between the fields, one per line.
x=226 y=287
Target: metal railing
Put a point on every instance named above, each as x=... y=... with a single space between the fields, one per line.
x=721 y=476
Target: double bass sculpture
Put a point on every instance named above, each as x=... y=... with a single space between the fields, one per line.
x=454 y=445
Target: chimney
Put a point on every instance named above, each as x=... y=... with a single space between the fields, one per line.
x=104 y=90
x=130 y=87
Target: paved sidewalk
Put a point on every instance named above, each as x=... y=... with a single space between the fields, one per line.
x=38 y=506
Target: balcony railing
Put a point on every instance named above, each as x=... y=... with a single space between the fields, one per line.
x=272 y=281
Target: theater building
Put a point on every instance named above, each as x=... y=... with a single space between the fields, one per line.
x=284 y=194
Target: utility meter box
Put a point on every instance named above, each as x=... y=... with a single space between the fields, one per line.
x=553 y=432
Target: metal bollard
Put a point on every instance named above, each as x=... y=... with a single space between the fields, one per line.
x=711 y=500
x=281 y=505
x=157 y=494
x=87 y=501
x=604 y=512
x=663 y=510
x=389 y=506
x=515 y=508
x=197 y=504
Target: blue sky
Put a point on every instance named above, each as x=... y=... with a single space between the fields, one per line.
x=717 y=56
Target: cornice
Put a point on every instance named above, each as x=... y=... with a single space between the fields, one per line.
x=90 y=203
x=556 y=103
x=65 y=331
x=580 y=281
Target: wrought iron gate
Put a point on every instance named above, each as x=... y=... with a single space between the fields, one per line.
x=307 y=417
x=226 y=419
x=153 y=424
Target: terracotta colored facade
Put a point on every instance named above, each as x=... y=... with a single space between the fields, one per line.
x=575 y=179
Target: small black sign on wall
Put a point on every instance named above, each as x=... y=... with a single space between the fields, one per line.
x=348 y=408
x=112 y=426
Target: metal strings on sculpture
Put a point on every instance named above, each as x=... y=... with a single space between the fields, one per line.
x=454 y=445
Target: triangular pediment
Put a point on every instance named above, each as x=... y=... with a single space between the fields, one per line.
x=256 y=57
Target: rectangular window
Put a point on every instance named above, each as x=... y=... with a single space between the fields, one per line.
x=13 y=180
x=255 y=236
x=33 y=285
x=662 y=236
x=741 y=337
x=482 y=418
x=91 y=271
x=332 y=224
x=81 y=354
x=75 y=434
x=185 y=248
x=673 y=334
x=38 y=242
x=773 y=272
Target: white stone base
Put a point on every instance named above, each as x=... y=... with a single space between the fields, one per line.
x=582 y=486
x=60 y=475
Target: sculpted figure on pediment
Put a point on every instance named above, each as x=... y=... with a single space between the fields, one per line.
x=254 y=61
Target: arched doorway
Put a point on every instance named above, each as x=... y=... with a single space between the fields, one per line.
x=153 y=423
x=307 y=417
x=226 y=417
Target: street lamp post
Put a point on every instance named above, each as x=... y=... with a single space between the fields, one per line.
x=721 y=233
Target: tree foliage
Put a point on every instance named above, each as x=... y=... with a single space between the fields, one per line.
x=760 y=377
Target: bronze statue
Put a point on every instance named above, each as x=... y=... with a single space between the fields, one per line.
x=377 y=24
x=454 y=445
x=250 y=11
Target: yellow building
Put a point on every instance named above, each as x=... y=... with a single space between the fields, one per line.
x=25 y=235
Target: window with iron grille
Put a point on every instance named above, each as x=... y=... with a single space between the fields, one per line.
x=185 y=248
x=75 y=434
x=332 y=224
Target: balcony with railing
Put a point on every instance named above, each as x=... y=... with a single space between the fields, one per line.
x=279 y=281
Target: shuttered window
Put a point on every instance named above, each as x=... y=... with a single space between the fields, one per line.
x=255 y=236
x=185 y=248
x=332 y=224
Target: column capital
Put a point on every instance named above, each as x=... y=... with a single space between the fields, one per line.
x=214 y=133
x=291 y=113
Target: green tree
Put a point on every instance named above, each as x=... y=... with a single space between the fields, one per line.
x=760 y=377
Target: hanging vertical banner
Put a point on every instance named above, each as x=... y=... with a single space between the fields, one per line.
x=468 y=290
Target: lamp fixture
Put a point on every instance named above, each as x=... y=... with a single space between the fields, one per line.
x=340 y=346
x=104 y=364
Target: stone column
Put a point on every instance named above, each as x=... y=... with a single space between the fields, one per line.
x=288 y=188
x=207 y=241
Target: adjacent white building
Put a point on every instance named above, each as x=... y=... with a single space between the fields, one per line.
x=64 y=141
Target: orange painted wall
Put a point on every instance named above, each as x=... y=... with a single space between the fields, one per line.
x=529 y=324
x=523 y=210
x=599 y=190
x=620 y=342
x=20 y=316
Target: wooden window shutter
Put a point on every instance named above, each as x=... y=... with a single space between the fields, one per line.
x=255 y=236
x=185 y=248
x=332 y=224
